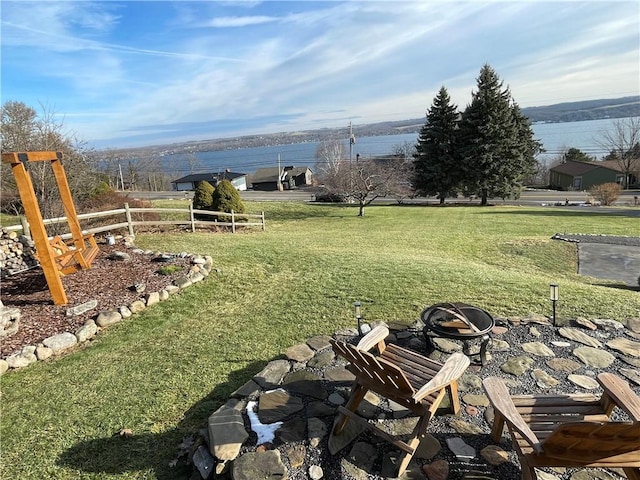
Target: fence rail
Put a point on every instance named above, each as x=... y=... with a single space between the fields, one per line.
x=236 y=220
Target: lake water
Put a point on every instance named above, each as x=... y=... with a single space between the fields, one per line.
x=555 y=137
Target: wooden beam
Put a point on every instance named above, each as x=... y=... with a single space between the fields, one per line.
x=38 y=232
x=18 y=157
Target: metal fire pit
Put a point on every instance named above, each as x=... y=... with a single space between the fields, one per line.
x=481 y=324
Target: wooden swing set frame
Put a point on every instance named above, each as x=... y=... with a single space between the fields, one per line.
x=56 y=256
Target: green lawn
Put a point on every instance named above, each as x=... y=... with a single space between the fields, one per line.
x=164 y=371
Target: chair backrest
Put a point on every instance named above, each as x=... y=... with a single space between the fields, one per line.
x=594 y=441
x=378 y=374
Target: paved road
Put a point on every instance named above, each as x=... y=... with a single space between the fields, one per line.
x=527 y=198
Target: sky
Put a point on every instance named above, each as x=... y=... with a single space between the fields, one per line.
x=135 y=73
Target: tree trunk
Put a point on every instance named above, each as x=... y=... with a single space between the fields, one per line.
x=361 y=209
x=441 y=199
x=483 y=201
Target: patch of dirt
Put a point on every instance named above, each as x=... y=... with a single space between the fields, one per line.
x=108 y=281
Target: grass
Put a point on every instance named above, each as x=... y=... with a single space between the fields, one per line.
x=161 y=373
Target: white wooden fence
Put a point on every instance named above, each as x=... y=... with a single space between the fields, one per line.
x=126 y=214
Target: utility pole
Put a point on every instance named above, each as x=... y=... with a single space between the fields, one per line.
x=279 y=175
x=352 y=140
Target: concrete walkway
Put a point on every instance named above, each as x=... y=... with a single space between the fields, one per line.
x=610 y=262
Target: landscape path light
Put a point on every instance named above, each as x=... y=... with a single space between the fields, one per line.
x=358 y=313
x=553 y=296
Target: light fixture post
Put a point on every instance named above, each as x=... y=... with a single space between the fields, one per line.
x=358 y=313
x=553 y=296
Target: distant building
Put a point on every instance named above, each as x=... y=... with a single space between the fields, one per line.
x=190 y=182
x=584 y=175
x=266 y=179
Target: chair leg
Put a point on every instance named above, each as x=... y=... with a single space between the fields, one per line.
x=632 y=473
x=418 y=434
x=528 y=473
x=358 y=393
x=453 y=397
x=498 y=426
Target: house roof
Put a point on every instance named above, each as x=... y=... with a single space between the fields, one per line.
x=270 y=174
x=209 y=177
x=579 y=168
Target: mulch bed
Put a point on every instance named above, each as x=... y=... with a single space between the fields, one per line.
x=108 y=281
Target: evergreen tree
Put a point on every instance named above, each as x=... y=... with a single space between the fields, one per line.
x=202 y=197
x=226 y=198
x=436 y=169
x=497 y=147
x=576 y=155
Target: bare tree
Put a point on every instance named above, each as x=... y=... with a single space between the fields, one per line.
x=23 y=130
x=364 y=180
x=330 y=155
x=623 y=143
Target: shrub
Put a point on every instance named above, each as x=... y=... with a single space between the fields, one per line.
x=226 y=199
x=202 y=198
x=607 y=193
x=169 y=269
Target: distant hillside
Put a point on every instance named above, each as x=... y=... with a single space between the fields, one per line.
x=587 y=110
x=561 y=112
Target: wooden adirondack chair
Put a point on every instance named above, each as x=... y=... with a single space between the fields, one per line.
x=570 y=430
x=406 y=377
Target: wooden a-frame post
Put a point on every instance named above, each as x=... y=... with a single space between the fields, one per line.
x=46 y=254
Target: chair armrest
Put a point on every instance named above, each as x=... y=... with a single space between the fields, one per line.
x=373 y=338
x=451 y=371
x=621 y=394
x=501 y=400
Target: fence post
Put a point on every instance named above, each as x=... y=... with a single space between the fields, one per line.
x=262 y=218
x=233 y=222
x=192 y=216
x=129 y=222
x=25 y=226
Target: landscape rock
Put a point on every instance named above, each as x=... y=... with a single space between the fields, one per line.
x=21 y=360
x=203 y=461
x=87 y=331
x=43 y=353
x=625 y=346
x=107 y=318
x=494 y=455
x=517 y=365
x=61 y=342
x=260 y=465
x=299 y=353
x=272 y=374
x=82 y=308
x=137 y=306
x=584 y=381
x=594 y=357
x=579 y=336
x=463 y=451
x=438 y=470
x=226 y=431
x=152 y=298
x=538 y=348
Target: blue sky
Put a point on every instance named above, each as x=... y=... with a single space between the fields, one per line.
x=134 y=73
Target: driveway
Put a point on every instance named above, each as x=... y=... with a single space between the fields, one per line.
x=610 y=262
x=607 y=256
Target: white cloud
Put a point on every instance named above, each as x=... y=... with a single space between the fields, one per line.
x=234 y=22
x=197 y=61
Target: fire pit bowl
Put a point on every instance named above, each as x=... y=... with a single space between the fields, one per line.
x=458 y=321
